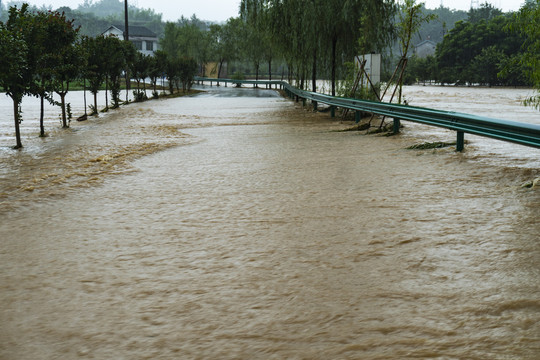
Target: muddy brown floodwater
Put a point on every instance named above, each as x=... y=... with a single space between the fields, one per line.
x=237 y=225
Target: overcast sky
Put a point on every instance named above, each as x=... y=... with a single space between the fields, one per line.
x=221 y=10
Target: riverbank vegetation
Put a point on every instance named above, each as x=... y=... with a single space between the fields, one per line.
x=46 y=51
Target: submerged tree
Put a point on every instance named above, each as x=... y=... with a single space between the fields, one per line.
x=411 y=18
x=117 y=53
x=139 y=70
x=95 y=70
x=38 y=28
x=158 y=65
x=188 y=69
x=256 y=41
x=14 y=76
x=226 y=40
x=66 y=58
x=316 y=33
x=70 y=63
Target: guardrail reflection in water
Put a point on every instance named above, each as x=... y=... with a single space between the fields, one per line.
x=511 y=131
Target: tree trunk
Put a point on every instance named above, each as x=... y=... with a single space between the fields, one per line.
x=106 y=93
x=314 y=72
x=42 y=110
x=171 y=86
x=128 y=85
x=290 y=75
x=334 y=50
x=270 y=69
x=17 y=129
x=63 y=102
x=144 y=87
x=85 y=97
x=95 y=104
x=257 y=73
x=219 y=69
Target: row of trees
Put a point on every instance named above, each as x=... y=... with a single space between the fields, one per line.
x=38 y=57
x=42 y=54
x=317 y=34
x=314 y=39
x=311 y=38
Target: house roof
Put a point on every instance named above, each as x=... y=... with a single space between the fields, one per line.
x=136 y=30
x=425 y=42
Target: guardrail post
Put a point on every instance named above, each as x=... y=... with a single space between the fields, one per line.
x=460 y=143
x=315 y=104
x=303 y=102
x=357 y=116
x=332 y=111
x=397 y=125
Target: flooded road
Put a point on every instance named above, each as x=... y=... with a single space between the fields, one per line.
x=237 y=225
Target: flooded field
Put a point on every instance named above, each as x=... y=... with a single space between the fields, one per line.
x=236 y=225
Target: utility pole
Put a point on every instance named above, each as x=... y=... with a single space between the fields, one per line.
x=126 y=21
x=126 y=38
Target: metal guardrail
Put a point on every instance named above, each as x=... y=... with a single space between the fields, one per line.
x=511 y=131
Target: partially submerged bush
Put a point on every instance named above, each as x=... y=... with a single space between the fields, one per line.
x=433 y=145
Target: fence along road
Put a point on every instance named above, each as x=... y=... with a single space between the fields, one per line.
x=506 y=130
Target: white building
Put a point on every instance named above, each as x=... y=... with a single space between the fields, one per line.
x=425 y=48
x=144 y=39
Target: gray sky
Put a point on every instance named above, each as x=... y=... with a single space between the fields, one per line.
x=505 y=5
x=172 y=10
x=221 y=10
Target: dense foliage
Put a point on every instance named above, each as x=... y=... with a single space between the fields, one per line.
x=310 y=35
x=526 y=24
x=488 y=48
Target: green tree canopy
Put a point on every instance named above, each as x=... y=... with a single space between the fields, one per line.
x=458 y=52
x=14 y=75
x=526 y=23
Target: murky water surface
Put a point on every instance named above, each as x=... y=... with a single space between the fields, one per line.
x=237 y=225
